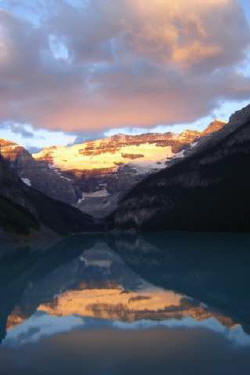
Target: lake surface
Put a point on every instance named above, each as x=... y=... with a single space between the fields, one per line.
x=113 y=305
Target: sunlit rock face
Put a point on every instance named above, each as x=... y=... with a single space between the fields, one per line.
x=104 y=170
x=119 y=304
x=107 y=154
x=205 y=191
x=13 y=152
x=214 y=127
x=15 y=318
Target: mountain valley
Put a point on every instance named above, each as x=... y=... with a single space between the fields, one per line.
x=95 y=175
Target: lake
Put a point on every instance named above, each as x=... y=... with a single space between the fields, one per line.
x=174 y=303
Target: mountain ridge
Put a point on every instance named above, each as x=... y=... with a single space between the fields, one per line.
x=93 y=176
x=112 y=144
x=205 y=191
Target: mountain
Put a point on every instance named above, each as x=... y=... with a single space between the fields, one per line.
x=26 y=212
x=99 y=173
x=208 y=190
x=212 y=268
x=215 y=126
x=38 y=174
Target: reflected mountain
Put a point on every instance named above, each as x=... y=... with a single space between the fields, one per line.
x=212 y=268
x=126 y=281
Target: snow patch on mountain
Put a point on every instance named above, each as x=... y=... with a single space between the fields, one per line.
x=26 y=181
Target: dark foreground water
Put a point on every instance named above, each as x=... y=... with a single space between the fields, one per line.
x=116 y=305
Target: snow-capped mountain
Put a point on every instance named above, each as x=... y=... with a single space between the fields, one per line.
x=107 y=155
x=102 y=171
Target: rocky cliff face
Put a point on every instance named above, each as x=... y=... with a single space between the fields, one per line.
x=101 y=172
x=208 y=190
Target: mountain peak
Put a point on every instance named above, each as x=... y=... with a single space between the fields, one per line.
x=12 y=151
x=214 y=126
x=5 y=142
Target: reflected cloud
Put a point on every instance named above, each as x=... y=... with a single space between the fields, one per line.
x=39 y=326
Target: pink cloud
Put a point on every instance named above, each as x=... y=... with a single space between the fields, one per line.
x=128 y=63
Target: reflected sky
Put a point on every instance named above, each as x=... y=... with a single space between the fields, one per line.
x=106 y=351
x=127 y=305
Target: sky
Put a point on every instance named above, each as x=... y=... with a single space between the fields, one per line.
x=72 y=70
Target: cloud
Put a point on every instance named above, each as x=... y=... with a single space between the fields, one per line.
x=34 y=138
x=20 y=129
x=123 y=63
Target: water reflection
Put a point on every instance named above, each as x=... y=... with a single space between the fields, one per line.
x=190 y=287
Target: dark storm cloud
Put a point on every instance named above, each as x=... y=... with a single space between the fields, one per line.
x=119 y=63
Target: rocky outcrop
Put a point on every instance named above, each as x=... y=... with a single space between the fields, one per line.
x=208 y=190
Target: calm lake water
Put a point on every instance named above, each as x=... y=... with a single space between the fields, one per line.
x=117 y=305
